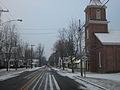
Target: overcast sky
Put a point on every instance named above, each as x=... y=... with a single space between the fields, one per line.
x=43 y=18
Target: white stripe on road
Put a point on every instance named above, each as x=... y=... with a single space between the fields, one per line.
x=46 y=82
x=30 y=75
x=42 y=81
x=37 y=82
x=51 y=84
x=49 y=80
x=56 y=84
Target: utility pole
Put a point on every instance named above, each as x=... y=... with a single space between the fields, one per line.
x=39 y=57
x=31 y=55
x=80 y=37
x=1 y=11
x=105 y=2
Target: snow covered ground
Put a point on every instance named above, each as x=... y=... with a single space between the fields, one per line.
x=114 y=77
x=105 y=81
x=13 y=73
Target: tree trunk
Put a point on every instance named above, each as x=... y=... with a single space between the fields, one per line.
x=7 y=68
x=16 y=65
x=8 y=59
x=81 y=68
x=40 y=62
x=72 y=65
x=63 y=63
x=26 y=64
x=73 y=68
x=63 y=66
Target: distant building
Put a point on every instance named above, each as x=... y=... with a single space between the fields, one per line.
x=103 y=46
x=35 y=62
x=76 y=63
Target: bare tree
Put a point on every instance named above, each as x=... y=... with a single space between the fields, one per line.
x=70 y=43
x=16 y=50
x=40 y=53
x=1 y=48
x=60 y=47
x=76 y=36
x=27 y=54
x=10 y=35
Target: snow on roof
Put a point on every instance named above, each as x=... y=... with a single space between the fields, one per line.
x=95 y=2
x=77 y=61
x=111 y=38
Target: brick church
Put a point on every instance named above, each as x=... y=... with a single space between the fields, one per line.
x=103 y=46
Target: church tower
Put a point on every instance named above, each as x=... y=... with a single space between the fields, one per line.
x=96 y=22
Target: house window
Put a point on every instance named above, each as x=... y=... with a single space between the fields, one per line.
x=98 y=14
x=87 y=17
x=87 y=34
x=100 y=63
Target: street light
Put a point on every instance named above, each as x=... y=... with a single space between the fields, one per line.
x=4 y=10
x=20 y=20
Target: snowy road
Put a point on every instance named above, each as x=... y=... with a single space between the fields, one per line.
x=41 y=79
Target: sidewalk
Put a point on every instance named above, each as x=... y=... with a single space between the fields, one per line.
x=4 y=72
x=13 y=73
x=107 y=81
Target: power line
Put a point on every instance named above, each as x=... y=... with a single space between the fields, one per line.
x=7 y=9
x=2 y=8
x=103 y=1
x=3 y=5
x=37 y=29
x=39 y=33
x=106 y=2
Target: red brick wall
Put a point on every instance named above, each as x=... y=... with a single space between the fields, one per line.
x=91 y=12
x=111 y=58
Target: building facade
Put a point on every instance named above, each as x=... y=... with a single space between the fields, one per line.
x=103 y=46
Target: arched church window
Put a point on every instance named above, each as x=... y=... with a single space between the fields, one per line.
x=98 y=14
x=100 y=62
x=87 y=34
x=87 y=17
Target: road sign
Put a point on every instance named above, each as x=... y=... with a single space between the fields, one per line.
x=84 y=58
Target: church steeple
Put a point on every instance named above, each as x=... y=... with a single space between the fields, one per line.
x=95 y=2
x=95 y=11
x=96 y=20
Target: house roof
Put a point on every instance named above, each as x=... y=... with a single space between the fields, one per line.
x=77 y=61
x=111 y=38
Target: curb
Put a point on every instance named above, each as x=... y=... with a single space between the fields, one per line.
x=103 y=88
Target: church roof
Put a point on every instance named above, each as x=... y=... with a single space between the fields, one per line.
x=95 y=2
x=111 y=38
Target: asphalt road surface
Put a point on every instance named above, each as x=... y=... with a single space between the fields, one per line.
x=42 y=79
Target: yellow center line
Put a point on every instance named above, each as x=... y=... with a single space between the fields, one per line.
x=31 y=81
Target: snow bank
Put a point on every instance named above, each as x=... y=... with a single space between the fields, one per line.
x=72 y=76
x=114 y=76
x=4 y=75
x=9 y=75
x=109 y=81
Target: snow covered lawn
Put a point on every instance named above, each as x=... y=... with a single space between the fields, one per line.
x=13 y=73
x=107 y=81
x=113 y=76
